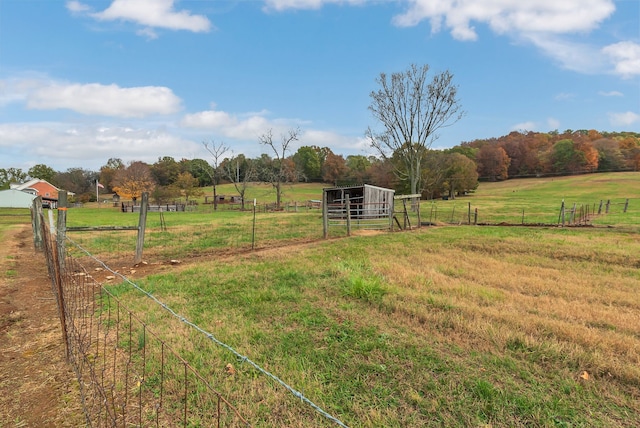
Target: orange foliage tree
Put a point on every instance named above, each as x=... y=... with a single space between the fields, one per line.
x=132 y=181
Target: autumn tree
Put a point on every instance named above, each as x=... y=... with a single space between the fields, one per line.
x=108 y=172
x=200 y=169
x=610 y=156
x=279 y=169
x=217 y=151
x=79 y=181
x=187 y=185
x=569 y=157
x=460 y=174
x=630 y=149
x=493 y=162
x=165 y=171
x=412 y=110
x=131 y=182
x=334 y=168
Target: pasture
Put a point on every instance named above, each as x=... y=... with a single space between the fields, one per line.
x=440 y=326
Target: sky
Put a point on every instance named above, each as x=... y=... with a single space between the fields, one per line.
x=82 y=81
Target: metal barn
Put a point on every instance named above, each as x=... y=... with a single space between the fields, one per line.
x=365 y=206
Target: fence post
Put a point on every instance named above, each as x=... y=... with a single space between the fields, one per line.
x=348 y=205
x=469 y=217
x=475 y=217
x=61 y=226
x=325 y=215
x=523 y=216
x=142 y=223
x=626 y=205
x=607 y=206
x=600 y=207
x=419 y=219
x=36 y=222
x=58 y=265
x=253 y=230
x=561 y=215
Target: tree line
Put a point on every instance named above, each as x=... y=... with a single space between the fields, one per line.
x=443 y=172
x=411 y=107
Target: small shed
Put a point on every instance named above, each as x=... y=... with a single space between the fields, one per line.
x=16 y=199
x=364 y=206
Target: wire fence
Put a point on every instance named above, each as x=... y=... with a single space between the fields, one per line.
x=618 y=212
x=127 y=374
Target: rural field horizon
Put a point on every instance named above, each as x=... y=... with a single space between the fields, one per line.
x=452 y=325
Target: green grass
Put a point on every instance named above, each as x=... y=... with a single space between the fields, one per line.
x=540 y=200
x=357 y=326
x=445 y=326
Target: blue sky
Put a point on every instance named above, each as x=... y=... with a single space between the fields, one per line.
x=84 y=81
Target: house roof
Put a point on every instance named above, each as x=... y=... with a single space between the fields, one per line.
x=40 y=188
x=13 y=198
x=29 y=184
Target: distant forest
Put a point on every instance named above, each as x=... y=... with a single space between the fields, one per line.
x=444 y=172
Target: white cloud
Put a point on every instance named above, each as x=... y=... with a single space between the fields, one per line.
x=523 y=16
x=91 y=146
x=248 y=127
x=611 y=94
x=524 y=126
x=553 y=123
x=280 y=5
x=625 y=57
x=563 y=96
x=105 y=100
x=336 y=142
x=77 y=7
x=624 y=119
x=242 y=127
x=149 y=13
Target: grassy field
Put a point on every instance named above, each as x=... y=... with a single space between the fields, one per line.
x=441 y=326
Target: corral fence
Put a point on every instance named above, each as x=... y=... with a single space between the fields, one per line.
x=127 y=374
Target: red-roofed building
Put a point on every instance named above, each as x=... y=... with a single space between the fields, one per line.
x=42 y=188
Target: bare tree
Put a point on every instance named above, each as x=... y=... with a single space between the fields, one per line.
x=281 y=170
x=411 y=111
x=240 y=171
x=217 y=150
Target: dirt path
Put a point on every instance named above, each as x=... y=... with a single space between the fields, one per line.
x=37 y=386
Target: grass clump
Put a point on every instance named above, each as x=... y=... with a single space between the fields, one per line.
x=359 y=282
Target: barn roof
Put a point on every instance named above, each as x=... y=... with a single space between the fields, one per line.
x=12 y=198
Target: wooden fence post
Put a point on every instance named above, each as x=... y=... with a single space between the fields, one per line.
x=36 y=222
x=61 y=226
x=59 y=264
x=626 y=205
x=347 y=201
x=561 y=215
x=607 y=206
x=142 y=224
x=475 y=217
x=325 y=215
